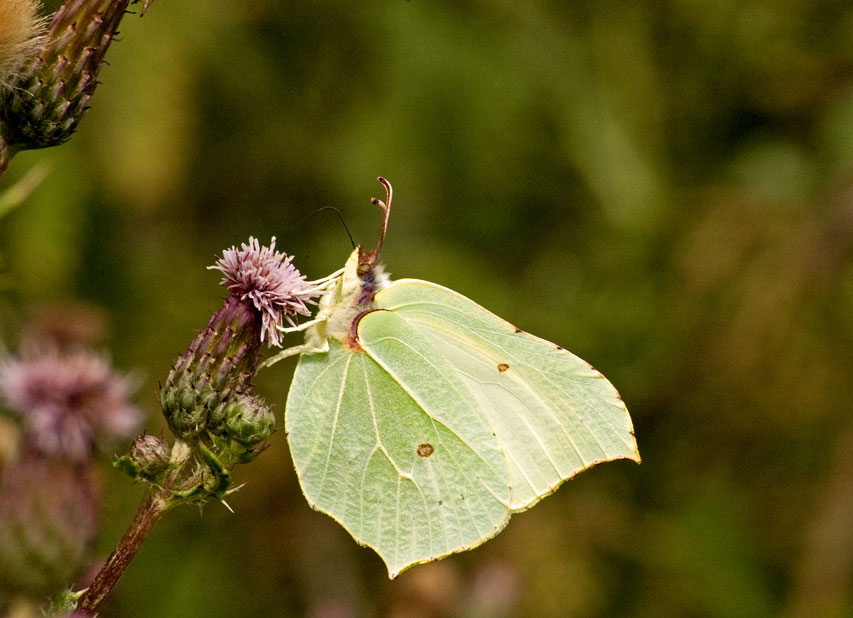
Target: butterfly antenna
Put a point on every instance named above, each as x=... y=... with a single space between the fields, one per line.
x=337 y=212
x=386 y=209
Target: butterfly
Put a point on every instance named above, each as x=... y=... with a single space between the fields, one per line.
x=421 y=422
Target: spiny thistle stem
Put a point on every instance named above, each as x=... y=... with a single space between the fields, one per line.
x=152 y=509
x=155 y=504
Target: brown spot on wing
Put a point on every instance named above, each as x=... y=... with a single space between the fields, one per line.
x=503 y=367
x=425 y=449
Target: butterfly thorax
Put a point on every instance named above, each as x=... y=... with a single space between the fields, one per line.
x=343 y=306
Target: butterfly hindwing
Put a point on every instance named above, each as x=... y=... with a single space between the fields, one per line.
x=384 y=441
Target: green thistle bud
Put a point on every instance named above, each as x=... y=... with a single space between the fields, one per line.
x=48 y=521
x=222 y=360
x=148 y=457
x=247 y=423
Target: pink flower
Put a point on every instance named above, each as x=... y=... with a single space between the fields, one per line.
x=267 y=278
x=68 y=403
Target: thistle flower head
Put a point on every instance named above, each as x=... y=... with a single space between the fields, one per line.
x=268 y=279
x=67 y=403
x=49 y=81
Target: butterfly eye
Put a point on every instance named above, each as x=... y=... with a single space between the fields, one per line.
x=364 y=269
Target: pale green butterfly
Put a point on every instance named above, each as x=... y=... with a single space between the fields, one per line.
x=420 y=421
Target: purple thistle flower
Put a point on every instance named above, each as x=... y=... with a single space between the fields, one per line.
x=270 y=281
x=68 y=403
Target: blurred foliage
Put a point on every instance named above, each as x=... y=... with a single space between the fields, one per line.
x=663 y=187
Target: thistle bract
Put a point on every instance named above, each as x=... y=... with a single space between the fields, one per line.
x=220 y=362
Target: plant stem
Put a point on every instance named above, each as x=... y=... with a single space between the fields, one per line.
x=149 y=513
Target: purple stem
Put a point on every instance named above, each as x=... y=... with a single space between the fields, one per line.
x=149 y=513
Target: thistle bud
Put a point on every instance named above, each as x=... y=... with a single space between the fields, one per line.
x=150 y=453
x=247 y=423
x=148 y=457
x=221 y=360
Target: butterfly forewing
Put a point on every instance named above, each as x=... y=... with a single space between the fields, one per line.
x=553 y=414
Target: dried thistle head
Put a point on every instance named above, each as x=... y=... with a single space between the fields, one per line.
x=48 y=89
x=21 y=35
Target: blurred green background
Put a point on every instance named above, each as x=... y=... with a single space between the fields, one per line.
x=664 y=187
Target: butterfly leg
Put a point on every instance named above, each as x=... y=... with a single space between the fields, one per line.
x=326 y=281
x=305 y=348
x=301 y=327
x=323 y=284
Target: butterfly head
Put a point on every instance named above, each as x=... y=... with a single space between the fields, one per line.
x=364 y=274
x=363 y=269
x=362 y=278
